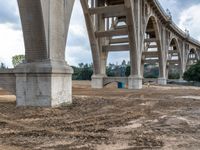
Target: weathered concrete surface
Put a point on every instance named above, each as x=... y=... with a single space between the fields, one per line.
x=162 y=81
x=135 y=82
x=97 y=81
x=45 y=27
x=43 y=84
x=45 y=78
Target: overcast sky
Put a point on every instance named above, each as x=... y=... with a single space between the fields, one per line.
x=186 y=14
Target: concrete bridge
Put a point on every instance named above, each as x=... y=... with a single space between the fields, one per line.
x=140 y=27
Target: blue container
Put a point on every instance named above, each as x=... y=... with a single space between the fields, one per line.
x=120 y=85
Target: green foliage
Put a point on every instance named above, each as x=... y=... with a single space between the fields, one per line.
x=151 y=71
x=17 y=59
x=193 y=73
x=174 y=76
x=117 y=70
x=83 y=72
x=128 y=70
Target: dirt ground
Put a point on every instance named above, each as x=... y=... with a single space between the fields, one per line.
x=166 y=118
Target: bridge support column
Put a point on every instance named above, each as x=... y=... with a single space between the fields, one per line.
x=45 y=79
x=163 y=70
x=97 y=81
x=44 y=84
x=135 y=82
x=134 y=35
x=162 y=81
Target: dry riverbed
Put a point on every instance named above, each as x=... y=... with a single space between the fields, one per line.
x=166 y=118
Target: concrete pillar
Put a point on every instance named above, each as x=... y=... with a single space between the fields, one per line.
x=162 y=80
x=182 y=71
x=135 y=78
x=97 y=81
x=100 y=73
x=135 y=82
x=45 y=78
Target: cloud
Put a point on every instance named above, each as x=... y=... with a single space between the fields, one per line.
x=118 y=57
x=77 y=54
x=78 y=48
x=11 y=43
x=189 y=19
x=9 y=13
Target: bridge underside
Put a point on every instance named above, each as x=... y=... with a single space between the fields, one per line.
x=139 y=27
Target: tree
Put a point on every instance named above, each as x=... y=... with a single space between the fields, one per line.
x=128 y=70
x=2 y=66
x=86 y=72
x=82 y=72
x=193 y=73
x=18 y=59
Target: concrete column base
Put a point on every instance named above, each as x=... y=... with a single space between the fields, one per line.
x=44 y=84
x=134 y=82
x=162 y=81
x=97 y=81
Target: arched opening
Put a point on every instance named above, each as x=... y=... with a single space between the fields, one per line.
x=77 y=40
x=192 y=58
x=151 y=53
x=117 y=64
x=117 y=53
x=173 y=60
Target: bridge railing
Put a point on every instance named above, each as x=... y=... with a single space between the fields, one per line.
x=174 y=26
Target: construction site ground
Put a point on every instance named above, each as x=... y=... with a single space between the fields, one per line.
x=156 y=117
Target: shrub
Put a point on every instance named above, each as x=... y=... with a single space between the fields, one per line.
x=193 y=73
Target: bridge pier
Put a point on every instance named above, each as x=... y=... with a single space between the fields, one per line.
x=45 y=79
x=43 y=84
x=97 y=81
x=135 y=82
x=162 y=81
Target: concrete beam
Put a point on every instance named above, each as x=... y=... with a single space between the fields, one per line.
x=119 y=40
x=109 y=11
x=116 y=48
x=111 y=33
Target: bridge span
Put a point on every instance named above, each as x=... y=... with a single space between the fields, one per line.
x=140 y=27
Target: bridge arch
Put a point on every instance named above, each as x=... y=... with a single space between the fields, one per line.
x=152 y=22
x=174 y=60
x=151 y=52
